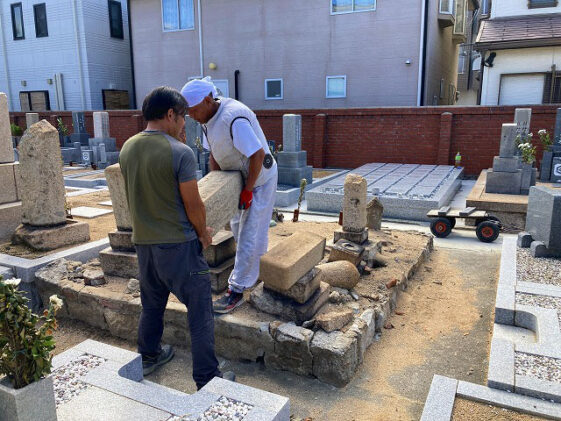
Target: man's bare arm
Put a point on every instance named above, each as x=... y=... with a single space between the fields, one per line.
x=195 y=210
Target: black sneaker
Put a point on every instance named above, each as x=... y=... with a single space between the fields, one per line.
x=229 y=302
x=151 y=363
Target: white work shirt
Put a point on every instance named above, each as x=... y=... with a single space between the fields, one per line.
x=245 y=139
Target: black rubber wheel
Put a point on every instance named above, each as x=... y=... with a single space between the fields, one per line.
x=487 y=231
x=452 y=222
x=441 y=227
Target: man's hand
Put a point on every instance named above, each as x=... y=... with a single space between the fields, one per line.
x=246 y=197
x=206 y=239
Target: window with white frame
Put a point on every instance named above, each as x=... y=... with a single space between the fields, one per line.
x=178 y=15
x=350 y=6
x=462 y=59
x=446 y=7
x=273 y=89
x=460 y=22
x=336 y=86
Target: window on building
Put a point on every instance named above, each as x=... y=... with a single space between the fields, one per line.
x=17 y=21
x=462 y=60
x=460 y=22
x=40 y=14
x=34 y=101
x=552 y=88
x=534 y=4
x=446 y=6
x=178 y=15
x=115 y=19
x=336 y=87
x=273 y=89
x=114 y=99
x=349 y=6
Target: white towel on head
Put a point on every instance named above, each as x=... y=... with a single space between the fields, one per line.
x=195 y=91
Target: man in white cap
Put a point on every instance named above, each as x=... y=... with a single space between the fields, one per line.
x=236 y=142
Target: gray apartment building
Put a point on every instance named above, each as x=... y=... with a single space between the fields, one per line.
x=290 y=54
x=65 y=54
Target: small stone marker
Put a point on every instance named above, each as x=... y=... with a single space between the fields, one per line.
x=374 y=211
x=291 y=259
x=354 y=203
x=89 y=212
x=116 y=185
x=291 y=132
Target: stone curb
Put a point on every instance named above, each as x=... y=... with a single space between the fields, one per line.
x=85 y=184
x=506 y=288
x=501 y=365
x=440 y=400
x=541 y=389
x=25 y=268
x=542 y=321
x=538 y=289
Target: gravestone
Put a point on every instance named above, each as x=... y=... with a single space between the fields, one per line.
x=522 y=118
x=79 y=127
x=31 y=119
x=354 y=210
x=374 y=211
x=547 y=171
x=102 y=137
x=543 y=218
x=292 y=160
x=44 y=224
x=10 y=205
x=556 y=170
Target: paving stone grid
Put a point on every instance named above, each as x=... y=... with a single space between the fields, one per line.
x=405 y=190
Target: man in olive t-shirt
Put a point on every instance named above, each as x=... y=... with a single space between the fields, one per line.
x=169 y=231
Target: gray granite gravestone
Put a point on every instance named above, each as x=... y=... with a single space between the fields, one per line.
x=31 y=119
x=79 y=126
x=546 y=169
x=101 y=136
x=292 y=166
x=556 y=170
x=543 y=218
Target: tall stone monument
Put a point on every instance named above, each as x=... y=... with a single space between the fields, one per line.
x=292 y=160
x=44 y=224
x=543 y=221
x=522 y=119
x=10 y=205
x=79 y=126
x=550 y=170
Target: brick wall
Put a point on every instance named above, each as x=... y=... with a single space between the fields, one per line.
x=348 y=138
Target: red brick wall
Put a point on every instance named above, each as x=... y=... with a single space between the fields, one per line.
x=348 y=138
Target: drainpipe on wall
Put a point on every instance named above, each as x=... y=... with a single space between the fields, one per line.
x=5 y=57
x=482 y=69
x=79 y=54
x=133 y=93
x=236 y=85
x=422 y=53
x=200 y=37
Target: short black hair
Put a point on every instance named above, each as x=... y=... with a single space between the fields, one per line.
x=160 y=100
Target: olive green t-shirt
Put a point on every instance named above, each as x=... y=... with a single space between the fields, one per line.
x=153 y=164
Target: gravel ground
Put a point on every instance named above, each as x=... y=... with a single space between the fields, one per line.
x=543 y=301
x=537 y=269
x=544 y=368
x=224 y=409
x=66 y=378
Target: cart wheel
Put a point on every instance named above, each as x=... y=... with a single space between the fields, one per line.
x=494 y=219
x=487 y=231
x=452 y=222
x=441 y=227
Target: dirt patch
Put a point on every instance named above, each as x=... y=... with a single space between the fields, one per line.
x=323 y=173
x=466 y=410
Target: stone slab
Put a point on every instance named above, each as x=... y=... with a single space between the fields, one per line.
x=220 y=274
x=291 y=348
x=555 y=170
x=51 y=238
x=15 y=404
x=355 y=237
x=303 y=289
x=541 y=389
x=119 y=263
x=6 y=149
x=508 y=146
x=506 y=289
x=8 y=192
x=223 y=247
x=292 y=159
x=116 y=184
x=505 y=164
x=291 y=132
x=220 y=192
x=501 y=365
x=346 y=250
x=106 y=203
x=503 y=182
x=31 y=118
x=6 y=272
x=121 y=241
x=293 y=176
x=292 y=258
x=89 y=212
x=439 y=404
x=543 y=219
x=278 y=305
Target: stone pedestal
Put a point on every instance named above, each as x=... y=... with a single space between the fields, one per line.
x=121 y=240
x=220 y=256
x=303 y=289
x=346 y=250
x=543 y=218
x=51 y=238
x=116 y=185
x=119 y=263
x=291 y=161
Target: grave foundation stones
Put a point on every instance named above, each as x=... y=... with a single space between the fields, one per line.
x=543 y=221
x=102 y=148
x=44 y=224
x=292 y=159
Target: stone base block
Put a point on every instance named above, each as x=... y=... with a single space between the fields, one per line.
x=524 y=240
x=538 y=249
x=121 y=240
x=119 y=263
x=292 y=159
x=219 y=275
x=292 y=349
x=51 y=238
x=355 y=237
x=220 y=192
x=545 y=168
x=80 y=137
x=112 y=158
x=336 y=354
x=346 y=250
x=278 y=305
x=503 y=182
x=33 y=402
x=10 y=218
x=110 y=143
x=506 y=164
x=70 y=155
x=223 y=247
x=8 y=192
x=292 y=176
x=302 y=290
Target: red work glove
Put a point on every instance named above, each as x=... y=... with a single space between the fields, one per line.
x=246 y=197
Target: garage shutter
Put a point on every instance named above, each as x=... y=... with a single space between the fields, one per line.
x=521 y=89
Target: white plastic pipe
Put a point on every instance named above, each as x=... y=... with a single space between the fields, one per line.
x=200 y=37
x=79 y=54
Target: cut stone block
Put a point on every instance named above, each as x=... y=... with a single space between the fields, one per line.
x=292 y=159
x=374 y=211
x=543 y=218
x=89 y=212
x=119 y=263
x=41 y=181
x=33 y=402
x=346 y=250
x=354 y=203
x=51 y=238
x=219 y=275
x=223 y=247
x=508 y=146
x=6 y=147
x=238 y=338
x=31 y=119
x=291 y=350
x=505 y=164
x=121 y=241
x=293 y=176
x=101 y=124
x=334 y=320
x=522 y=118
x=545 y=168
x=10 y=218
x=303 y=289
x=341 y=274
x=220 y=192
x=355 y=237
x=335 y=357
x=503 y=182
x=116 y=185
x=8 y=191
x=556 y=170
x=283 y=265
x=538 y=249
x=291 y=132
x=278 y=305
x=524 y=239
x=109 y=142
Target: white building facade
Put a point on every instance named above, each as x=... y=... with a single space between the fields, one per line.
x=65 y=55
